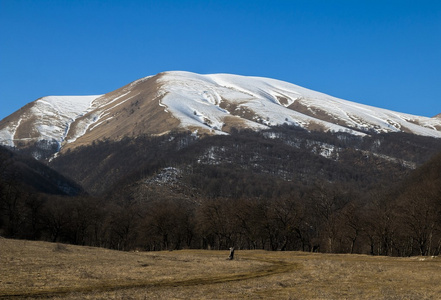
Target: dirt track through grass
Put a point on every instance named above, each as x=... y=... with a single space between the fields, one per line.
x=277 y=267
x=45 y=270
x=26 y=256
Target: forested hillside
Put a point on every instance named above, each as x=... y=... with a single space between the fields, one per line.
x=281 y=189
x=286 y=154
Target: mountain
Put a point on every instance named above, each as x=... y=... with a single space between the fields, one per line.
x=204 y=104
x=180 y=160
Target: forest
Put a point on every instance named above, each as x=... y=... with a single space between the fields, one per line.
x=275 y=190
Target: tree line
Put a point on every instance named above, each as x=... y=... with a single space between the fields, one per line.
x=325 y=218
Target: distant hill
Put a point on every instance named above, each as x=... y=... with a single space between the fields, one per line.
x=33 y=176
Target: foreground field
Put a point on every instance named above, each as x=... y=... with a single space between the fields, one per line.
x=41 y=270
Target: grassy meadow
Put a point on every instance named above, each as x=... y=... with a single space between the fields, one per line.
x=35 y=270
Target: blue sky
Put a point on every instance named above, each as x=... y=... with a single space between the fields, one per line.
x=381 y=53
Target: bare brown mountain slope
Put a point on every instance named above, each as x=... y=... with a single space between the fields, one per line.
x=25 y=131
x=130 y=110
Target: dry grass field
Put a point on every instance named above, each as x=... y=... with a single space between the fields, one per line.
x=44 y=270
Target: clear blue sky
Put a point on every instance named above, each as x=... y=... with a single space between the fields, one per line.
x=382 y=53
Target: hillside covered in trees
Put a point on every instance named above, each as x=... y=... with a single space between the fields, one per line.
x=280 y=189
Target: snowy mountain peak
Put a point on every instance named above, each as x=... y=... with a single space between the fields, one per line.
x=210 y=104
x=220 y=101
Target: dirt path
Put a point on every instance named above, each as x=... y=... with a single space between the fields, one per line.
x=274 y=267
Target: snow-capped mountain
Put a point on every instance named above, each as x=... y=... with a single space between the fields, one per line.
x=208 y=104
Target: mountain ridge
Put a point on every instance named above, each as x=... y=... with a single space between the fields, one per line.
x=206 y=104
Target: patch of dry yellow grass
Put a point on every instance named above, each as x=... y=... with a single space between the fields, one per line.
x=39 y=269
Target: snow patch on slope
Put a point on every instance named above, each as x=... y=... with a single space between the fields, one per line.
x=8 y=133
x=55 y=114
